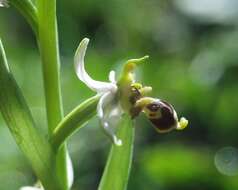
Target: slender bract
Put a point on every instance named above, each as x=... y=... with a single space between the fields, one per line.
x=48 y=42
x=28 y=10
x=20 y=122
x=117 y=170
x=74 y=120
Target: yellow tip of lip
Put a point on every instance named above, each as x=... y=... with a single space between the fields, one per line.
x=183 y=123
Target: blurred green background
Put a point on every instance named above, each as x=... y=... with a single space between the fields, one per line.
x=193 y=48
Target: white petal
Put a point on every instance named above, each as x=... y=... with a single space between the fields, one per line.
x=97 y=86
x=30 y=188
x=112 y=77
x=111 y=134
x=105 y=101
x=116 y=111
x=117 y=141
x=70 y=171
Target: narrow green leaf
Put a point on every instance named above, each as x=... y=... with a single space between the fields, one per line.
x=117 y=170
x=20 y=122
x=28 y=10
x=74 y=120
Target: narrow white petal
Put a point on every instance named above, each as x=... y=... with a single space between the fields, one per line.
x=30 y=188
x=112 y=77
x=117 y=141
x=116 y=111
x=97 y=86
x=111 y=134
x=105 y=101
x=70 y=171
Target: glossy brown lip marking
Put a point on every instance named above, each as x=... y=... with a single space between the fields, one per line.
x=154 y=107
x=135 y=95
x=152 y=114
x=167 y=121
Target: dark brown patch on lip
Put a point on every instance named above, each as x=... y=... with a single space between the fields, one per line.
x=135 y=111
x=167 y=121
x=154 y=107
x=135 y=95
x=152 y=114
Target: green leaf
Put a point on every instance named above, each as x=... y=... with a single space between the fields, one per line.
x=117 y=170
x=20 y=122
x=74 y=121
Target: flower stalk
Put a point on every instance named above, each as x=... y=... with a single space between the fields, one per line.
x=48 y=43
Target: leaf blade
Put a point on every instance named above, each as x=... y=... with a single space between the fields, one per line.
x=117 y=170
x=20 y=123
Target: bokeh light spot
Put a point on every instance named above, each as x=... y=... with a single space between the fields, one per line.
x=226 y=161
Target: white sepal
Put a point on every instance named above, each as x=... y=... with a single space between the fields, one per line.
x=70 y=171
x=94 y=85
x=107 y=90
x=105 y=104
x=30 y=188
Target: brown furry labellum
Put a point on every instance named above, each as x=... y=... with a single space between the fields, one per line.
x=162 y=116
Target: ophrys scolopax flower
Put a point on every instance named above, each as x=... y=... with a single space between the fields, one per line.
x=125 y=95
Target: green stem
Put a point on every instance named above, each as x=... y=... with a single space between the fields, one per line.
x=48 y=42
x=28 y=10
x=74 y=121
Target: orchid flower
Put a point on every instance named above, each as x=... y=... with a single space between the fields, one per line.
x=125 y=95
